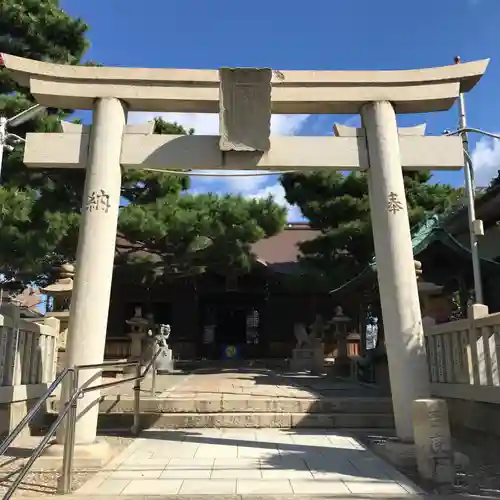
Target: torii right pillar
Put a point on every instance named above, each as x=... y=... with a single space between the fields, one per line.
x=404 y=337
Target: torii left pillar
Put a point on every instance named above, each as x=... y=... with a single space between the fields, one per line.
x=95 y=258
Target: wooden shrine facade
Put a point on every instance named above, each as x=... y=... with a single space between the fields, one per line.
x=254 y=312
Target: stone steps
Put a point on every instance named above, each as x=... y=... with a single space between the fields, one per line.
x=364 y=405
x=117 y=404
x=258 y=420
x=170 y=413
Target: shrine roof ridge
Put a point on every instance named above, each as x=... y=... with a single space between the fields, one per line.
x=197 y=90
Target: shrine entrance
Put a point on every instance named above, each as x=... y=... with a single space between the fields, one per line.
x=231 y=325
x=245 y=100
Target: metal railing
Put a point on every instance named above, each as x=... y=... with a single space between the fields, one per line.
x=70 y=411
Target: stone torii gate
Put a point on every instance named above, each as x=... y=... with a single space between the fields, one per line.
x=245 y=99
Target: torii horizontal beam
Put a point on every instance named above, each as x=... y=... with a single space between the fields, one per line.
x=201 y=152
x=197 y=91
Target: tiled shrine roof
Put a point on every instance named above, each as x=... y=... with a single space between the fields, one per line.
x=279 y=253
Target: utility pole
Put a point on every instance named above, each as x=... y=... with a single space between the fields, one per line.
x=474 y=225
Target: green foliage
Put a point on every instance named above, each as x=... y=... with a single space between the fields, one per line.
x=182 y=234
x=495 y=181
x=40 y=30
x=338 y=206
x=40 y=209
x=187 y=234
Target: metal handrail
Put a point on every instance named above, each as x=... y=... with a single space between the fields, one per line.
x=41 y=446
x=70 y=410
x=30 y=415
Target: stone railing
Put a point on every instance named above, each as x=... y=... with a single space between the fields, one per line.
x=464 y=357
x=28 y=358
x=27 y=351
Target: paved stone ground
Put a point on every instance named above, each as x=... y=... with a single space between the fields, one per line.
x=42 y=479
x=241 y=382
x=244 y=382
x=163 y=383
x=248 y=462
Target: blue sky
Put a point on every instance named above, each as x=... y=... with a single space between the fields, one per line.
x=322 y=34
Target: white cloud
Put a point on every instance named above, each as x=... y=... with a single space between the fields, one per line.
x=238 y=184
x=353 y=121
x=278 y=193
x=208 y=124
x=249 y=186
x=275 y=190
x=486 y=161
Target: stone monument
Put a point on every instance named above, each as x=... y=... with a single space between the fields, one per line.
x=164 y=361
x=433 y=448
x=308 y=354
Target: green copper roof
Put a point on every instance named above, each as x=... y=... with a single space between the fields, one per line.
x=424 y=234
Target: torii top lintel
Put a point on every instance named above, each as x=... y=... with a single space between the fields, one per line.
x=194 y=90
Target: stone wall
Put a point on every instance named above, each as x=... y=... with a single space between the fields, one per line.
x=28 y=358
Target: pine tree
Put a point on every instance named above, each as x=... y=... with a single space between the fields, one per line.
x=40 y=209
x=495 y=181
x=338 y=206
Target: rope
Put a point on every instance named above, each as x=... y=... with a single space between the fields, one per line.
x=205 y=174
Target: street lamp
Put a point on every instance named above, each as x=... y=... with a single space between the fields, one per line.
x=6 y=137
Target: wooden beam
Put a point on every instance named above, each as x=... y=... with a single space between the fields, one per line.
x=198 y=152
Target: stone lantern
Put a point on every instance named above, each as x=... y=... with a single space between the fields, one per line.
x=434 y=305
x=59 y=298
x=138 y=331
x=340 y=329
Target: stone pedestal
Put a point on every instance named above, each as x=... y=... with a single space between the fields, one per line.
x=165 y=361
x=308 y=359
x=136 y=339
x=136 y=350
x=342 y=364
x=433 y=441
x=96 y=454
